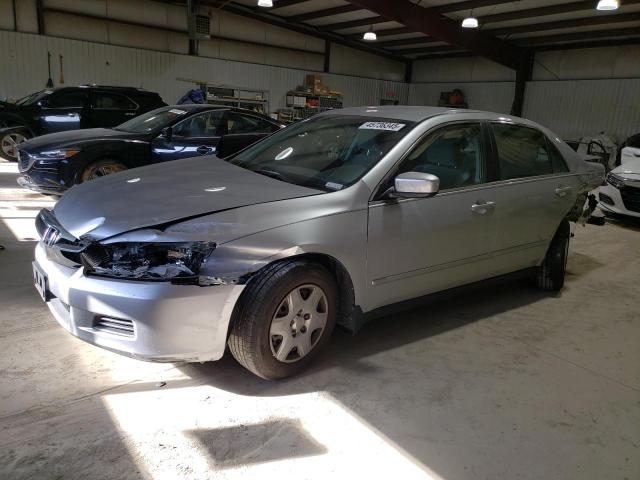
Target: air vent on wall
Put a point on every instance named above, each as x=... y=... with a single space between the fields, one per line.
x=203 y=26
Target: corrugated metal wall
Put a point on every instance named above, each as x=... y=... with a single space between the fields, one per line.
x=24 y=69
x=585 y=107
x=490 y=96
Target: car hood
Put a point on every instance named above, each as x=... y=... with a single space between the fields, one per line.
x=629 y=167
x=159 y=195
x=75 y=137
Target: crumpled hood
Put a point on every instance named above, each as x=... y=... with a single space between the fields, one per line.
x=75 y=137
x=164 y=193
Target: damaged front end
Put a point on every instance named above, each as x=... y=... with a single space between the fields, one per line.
x=180 y=263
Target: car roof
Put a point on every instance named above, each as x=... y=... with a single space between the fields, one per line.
x=415 y=113
x=198 y=107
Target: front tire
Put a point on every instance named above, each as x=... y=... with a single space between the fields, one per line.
x=552 y=272
x=284 y=318
x=101 y=168
x=9 y=142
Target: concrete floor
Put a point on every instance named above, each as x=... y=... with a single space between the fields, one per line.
x=503 y=383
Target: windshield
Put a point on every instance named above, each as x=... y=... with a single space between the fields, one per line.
x=34 y=97
x=329 y=153
x=152 y=121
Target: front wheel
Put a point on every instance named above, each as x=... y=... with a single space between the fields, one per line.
x=284 y=318
x=9 y=142
x=552 y=272
x=101 y=168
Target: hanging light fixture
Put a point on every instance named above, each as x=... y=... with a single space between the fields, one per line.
x=470 y=22
x=370 y=36
x=265 y=3
x=608 y=5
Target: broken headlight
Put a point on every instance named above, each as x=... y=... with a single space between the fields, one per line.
x=176 y=262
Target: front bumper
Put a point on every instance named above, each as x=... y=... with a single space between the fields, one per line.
x=610 y=200
x=154 y=320
x=49 y=188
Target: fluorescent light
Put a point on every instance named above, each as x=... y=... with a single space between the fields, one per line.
x=265 y=3
x=370 y=36
x=608 y=5
x=470 y=22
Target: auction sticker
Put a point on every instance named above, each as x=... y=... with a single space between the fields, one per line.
x=389 y=126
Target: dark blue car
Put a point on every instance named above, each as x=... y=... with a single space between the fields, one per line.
x=53 y=163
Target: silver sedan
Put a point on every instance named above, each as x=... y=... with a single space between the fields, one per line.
x=330 y=221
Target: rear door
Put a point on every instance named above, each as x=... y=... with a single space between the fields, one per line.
x=64 y=110
x=239 y=130
x=109 y=109
x=194 y=136
x=423 y=245
x=535 y=191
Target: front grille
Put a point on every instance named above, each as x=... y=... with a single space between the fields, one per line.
x=116 y=326
x=24 y=161
x=631 y=198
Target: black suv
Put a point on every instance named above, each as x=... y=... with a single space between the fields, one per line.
x=69 y=108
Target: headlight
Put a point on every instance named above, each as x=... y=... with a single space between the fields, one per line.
x=615 y=180
x=59 y=154
x=177 y=262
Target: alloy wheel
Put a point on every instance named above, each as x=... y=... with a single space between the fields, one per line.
x=10 y=143
x=103 y=169
x=298 y=323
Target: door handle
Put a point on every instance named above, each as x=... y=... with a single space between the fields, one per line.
x=202 y=150
x=563 y=191
x=482 y=208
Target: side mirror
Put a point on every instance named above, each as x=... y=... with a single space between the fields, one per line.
x=167 y=134
x=416 y=185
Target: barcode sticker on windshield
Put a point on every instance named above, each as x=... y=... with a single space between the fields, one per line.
x=392 y=127
x=178 y=112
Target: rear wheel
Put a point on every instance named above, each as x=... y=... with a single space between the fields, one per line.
x=9 y=142
x=552 y=272
x=101 y=168
x=284 y=318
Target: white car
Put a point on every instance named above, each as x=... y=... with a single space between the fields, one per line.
x=621 y=192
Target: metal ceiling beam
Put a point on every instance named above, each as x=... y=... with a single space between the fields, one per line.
x=590 y=35
x=355 y=23
x=406 y=41
x=327 y=12
x=466 y=5
x=423 y=50
x=305 y=29
x=576 y=22
x=542 y=11
x=594 y=44
x=286 y=3
x=435 y=25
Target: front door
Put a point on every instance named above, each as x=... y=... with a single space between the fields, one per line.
x=63 y=110
x=110 y=109
x=424 y=245
x=194 y=136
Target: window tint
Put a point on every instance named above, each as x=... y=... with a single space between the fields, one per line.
x=453 y=153
x=524 y=152
x=238 y=123
x=200 y=125
x=557 y=161
x=72 y=99
x=112 y=101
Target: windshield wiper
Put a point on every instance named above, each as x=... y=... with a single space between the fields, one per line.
x=272 y=174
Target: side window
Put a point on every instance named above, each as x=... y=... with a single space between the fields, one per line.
x=112 y=101
x=238 y=123
x=523 y=152
x=558 y=163
x=71 y=99
x=201 y=125
x=453 y=153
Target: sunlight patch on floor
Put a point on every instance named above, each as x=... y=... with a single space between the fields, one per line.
x=211 y=430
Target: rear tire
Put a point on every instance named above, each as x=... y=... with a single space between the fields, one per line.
x=551 y=273
x=101 y=168
x=268 y=326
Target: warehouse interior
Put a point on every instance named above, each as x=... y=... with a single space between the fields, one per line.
x=501 y=382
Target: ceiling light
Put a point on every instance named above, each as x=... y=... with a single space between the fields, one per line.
x=265 y=3
x=608 y=5
x=470 y=22
x=370 y=36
